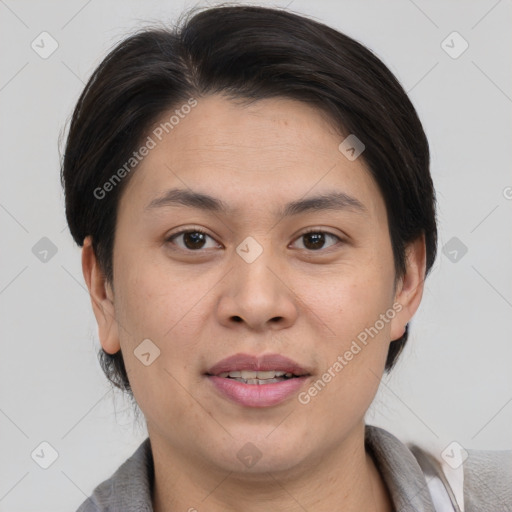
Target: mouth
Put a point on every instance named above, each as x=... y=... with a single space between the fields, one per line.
x=254 y=381
x=254 y=369
x=258 y=377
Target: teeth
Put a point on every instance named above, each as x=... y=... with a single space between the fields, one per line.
x=269 y=374
x=247 y=375
x=259 y=381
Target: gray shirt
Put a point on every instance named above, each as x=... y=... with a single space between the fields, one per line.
x=487 y=479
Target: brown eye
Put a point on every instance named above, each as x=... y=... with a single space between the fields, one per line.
x=192 y=239
x=316 y=240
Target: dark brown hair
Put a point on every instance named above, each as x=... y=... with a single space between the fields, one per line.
x=247 y=53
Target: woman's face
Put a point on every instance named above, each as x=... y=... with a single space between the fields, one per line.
x=255 y=291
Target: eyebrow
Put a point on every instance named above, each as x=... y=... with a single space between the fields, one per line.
x=198 y=200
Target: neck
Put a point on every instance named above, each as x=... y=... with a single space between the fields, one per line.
x=344 y=479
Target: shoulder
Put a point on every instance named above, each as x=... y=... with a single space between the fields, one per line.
x=488 y=480
x=475 y=479
x=128 y=489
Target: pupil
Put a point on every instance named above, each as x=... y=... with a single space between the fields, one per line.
x=318 y=240
x=196 y=237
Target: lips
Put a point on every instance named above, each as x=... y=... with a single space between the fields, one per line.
x=254 y=381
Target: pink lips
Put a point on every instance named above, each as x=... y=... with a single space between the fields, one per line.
x=257 y=395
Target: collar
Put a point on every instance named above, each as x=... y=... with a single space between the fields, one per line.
x=400 y=471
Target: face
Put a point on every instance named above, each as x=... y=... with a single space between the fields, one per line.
x=278 y=276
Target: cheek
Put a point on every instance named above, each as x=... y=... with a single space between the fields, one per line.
x=158 y=300
x=355 y=350
x=350 y=297
x=171 y=307
x=167 y=312
x=354 y=353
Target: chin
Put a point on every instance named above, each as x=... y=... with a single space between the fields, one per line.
x=253 y=452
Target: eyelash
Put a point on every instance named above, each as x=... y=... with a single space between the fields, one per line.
x=171 y=238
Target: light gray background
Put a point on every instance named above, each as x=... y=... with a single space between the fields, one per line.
x=454 y=380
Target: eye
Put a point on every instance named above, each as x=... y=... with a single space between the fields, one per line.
x=191 y=239
x=196 y=239
x=315 y=239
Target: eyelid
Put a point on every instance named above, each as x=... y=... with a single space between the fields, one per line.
x=318 y=230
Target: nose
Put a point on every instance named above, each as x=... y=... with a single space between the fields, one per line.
x=258 y=295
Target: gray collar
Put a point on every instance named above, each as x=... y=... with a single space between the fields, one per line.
x=400 y=470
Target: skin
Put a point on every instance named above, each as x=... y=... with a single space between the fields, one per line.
x=202 y=305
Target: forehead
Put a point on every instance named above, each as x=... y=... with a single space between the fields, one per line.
x=251 y=154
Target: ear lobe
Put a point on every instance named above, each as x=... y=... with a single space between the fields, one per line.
x=102 y=299
x=410 y=288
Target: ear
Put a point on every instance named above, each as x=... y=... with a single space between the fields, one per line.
x=102 y=299
x=409 y=290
